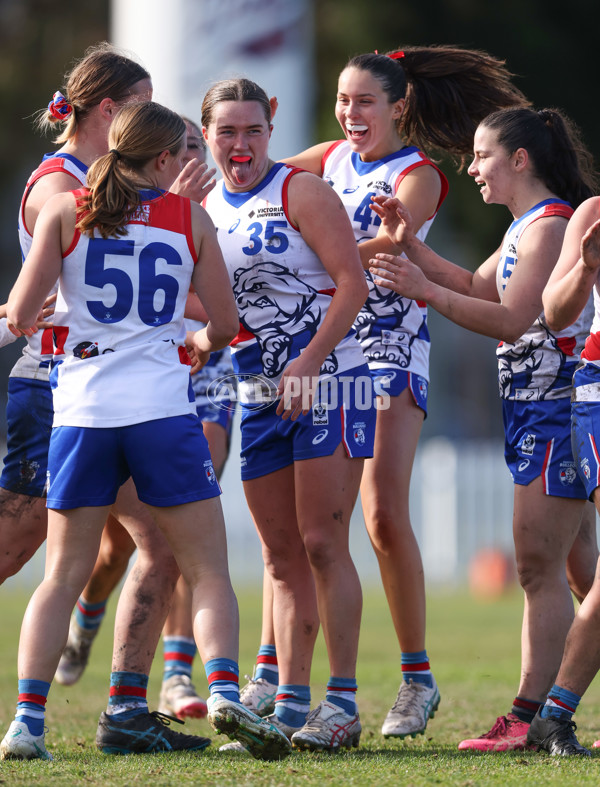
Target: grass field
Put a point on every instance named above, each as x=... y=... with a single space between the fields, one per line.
x=474 y=650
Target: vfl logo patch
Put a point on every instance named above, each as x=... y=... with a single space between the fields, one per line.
x=528 y=444
x=320 y=415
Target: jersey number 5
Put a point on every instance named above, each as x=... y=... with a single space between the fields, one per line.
x=98 y=274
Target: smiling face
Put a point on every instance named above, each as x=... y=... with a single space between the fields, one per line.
x=238 y=138
x=366 y=115
x=492 y=167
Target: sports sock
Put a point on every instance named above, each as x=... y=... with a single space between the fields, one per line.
x=415 y=667
x=31 y=704
x=525 y=709
x=342 y=692
x=127 y=696
x=292 y=704
x=89 y=616
x=223 y=678
x=178 y=656
x=561 y=704
x=266 y=664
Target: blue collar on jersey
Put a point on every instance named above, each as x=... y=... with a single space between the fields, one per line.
x=147 y=195
x=365 y=167
x=238 y=198
x=57 y=154
x=543 y=203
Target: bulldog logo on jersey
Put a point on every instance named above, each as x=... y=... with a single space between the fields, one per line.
x=388 y=346
x=276 y=322
x=534 y=359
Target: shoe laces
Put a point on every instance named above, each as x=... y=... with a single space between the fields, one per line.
x=164 y=718
x=500 y=726
x=407 y=699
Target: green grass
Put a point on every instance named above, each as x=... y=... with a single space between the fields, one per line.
x=474 y=649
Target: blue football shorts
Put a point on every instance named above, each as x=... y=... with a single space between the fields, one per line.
x=391 y=382
x=343 y=411
x=168 y=459
x=210 y=413
x=585 y=424
x=538 y=443
x=29 y=415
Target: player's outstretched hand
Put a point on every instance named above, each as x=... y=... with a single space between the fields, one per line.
x=400 y=275
x=395 y=219
x=194 y=181
x=590 y=247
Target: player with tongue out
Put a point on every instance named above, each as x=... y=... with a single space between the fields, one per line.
x=298 y=284
x=391 y=108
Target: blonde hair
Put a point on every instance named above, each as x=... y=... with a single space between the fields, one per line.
x=139 y=133
x=103 y=72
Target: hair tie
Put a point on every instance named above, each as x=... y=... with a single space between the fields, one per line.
x=115 y=152
x=396 y=55
x=59 y=107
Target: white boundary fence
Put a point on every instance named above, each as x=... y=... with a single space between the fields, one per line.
x=461 y=502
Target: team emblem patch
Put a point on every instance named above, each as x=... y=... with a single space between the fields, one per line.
x=358 y=432
x=209 y=471
x=567 y=473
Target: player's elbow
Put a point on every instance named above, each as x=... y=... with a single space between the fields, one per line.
x=19 y=315
x=227 y=329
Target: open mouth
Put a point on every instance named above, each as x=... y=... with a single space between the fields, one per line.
x=240 y=168
x=356 y=131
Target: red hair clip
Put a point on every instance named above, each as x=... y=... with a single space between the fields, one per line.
x=59 y=107
x=396 y=55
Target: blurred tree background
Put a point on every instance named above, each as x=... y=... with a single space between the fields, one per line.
x=549 y=46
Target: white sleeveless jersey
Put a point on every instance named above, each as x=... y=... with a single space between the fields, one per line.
x=118 y=322
x=37 y=353
x=588 y=387
x=281 y=288
x=392 y=330
x=541 y=363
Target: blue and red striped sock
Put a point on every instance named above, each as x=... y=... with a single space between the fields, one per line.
x=525 y=709
x=292 y=704
x=178 y=656
x=561 y=704
x=223 y=678
x=342 y=692
x=415 y=667
x=89 y=616
x=266 y=664
x=127 y=696
x=31 y=704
